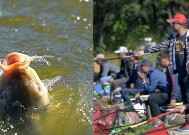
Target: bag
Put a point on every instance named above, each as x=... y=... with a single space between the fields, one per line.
x=98 y=90
x=125 y=119
x=105 y=120
x=107 y=88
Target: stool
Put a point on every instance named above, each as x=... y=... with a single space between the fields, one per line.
x=144 y=98
x=145 y=109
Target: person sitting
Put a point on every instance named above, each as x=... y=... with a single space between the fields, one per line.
x=125 y=68
x=107 y=69
x=124 y=74
x=172 y=93
x=157 y=80
x=134 y=81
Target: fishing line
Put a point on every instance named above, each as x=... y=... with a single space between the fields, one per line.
x=119 y=58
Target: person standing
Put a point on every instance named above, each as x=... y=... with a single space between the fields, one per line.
x=178 y=46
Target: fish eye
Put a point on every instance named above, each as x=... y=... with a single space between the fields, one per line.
x=1 y=61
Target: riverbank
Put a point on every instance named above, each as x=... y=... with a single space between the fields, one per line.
x=144 y=128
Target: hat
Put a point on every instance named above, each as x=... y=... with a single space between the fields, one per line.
x=122 y=49
x=134 y=52
x=178 y=17
x=146 y=63
x=99 y=56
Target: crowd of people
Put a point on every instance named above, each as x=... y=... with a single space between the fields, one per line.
x=136 y=77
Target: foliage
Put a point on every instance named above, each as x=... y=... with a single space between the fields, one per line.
x=128 y=22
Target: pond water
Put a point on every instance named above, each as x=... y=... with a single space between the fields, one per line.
x=61 y=32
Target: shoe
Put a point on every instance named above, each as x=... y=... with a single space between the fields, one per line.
x=117 y=99
x=184 y=128
x=115 y=102
x=128 y=107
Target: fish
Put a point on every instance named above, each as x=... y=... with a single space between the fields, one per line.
x=20 y=83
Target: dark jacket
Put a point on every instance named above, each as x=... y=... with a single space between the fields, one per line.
x=173 y=88
x=135 y=79
x=106 y=69
x=157 y=80
x=125 y=69
x=169 y=44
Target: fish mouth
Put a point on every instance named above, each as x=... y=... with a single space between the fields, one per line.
x=21 y=82
x=15 y=61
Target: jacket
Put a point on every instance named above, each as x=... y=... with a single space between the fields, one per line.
x=173 y=88
x=169 y=44
x=135 y=79
x=125 y=69
x=157 y=80
x=106 y=69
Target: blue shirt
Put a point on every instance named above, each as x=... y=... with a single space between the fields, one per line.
x=157 y=80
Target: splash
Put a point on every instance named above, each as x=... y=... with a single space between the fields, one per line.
x=42 y=58
x=50 y=82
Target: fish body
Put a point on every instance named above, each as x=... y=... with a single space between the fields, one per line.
x=20 y=83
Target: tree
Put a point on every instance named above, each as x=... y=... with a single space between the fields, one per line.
x=127 y=22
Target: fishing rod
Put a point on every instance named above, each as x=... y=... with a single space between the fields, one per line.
x=126 y=108
x=119 y=58
x=138 y=100
x=117 y=110
x=133 y=110
x=149 y=132
x=165 y=128
x=153 y=118
x=144 y=122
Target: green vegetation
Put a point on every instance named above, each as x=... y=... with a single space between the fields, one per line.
x=128 y=22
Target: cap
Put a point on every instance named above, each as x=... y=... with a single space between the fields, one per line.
x=134 y=52
x=179 y=18
x=146 y=63
x=122 y=49
x=99 y=56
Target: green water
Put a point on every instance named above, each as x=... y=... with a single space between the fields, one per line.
x=61 y=29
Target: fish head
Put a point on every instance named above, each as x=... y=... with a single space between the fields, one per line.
x=21 y=83
x=14 y=61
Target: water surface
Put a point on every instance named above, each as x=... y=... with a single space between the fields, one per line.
x=61 y=31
